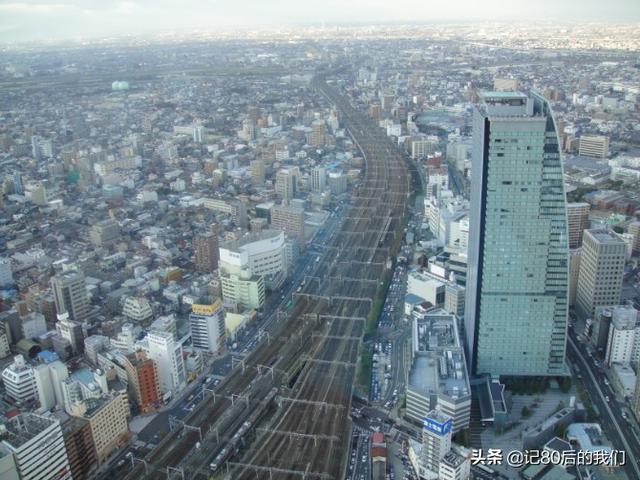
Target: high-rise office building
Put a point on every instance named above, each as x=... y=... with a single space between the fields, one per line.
x=436 y=439
x=601 y=271
x=374 y=111
x=167 y=353
x=290 y=220
x=318 y=179
x=387 y=103
x=437 y=457
x=142 y=375
x=257 y=171
x=70 y=294
x=44 y=388
x=207 y=327
x=454 y=297
x=205 y=246
x=286 y=180
x=18 y=185
x=317 y=135
x=337 y=182
x=438 y=376
x=577 y=222
x=37 y=446
x=6 y=273
x=199 y=134
x=574 y=274
x=516 y=306
x=107 y=416
x=78 y=441
x=48 y=378
x=72 y=332
x=253 y=113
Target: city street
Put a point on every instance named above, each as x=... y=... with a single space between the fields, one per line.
x=616 y=427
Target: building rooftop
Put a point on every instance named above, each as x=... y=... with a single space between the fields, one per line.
x=267 y=234
x=558 y=444
x=20 y=429
x=605 y=236
x=72 y=424
x=47 y=356
x=623 y=317
x=438 y=416
x=588 y=436
x=453 y=459
x=83 y=375
x=438 y=359
x=503 y=95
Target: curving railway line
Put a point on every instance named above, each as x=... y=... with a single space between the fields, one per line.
x=310 y=353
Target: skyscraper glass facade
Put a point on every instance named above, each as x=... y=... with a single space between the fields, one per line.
x=515 y=320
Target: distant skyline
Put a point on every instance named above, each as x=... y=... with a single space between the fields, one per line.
x=69 y=19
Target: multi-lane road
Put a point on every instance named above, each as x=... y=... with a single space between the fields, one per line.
x=614 y=425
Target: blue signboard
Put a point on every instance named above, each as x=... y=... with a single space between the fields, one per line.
x=437 y=427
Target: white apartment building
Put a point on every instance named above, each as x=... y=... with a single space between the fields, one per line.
x=49 y=378
x=623 y=342
x=19 y=380
x=167 y=353
x=427 y=286
x=261 y=253
x=250 y=264
x=437 y=457
x=594 y=146
x=137 y=309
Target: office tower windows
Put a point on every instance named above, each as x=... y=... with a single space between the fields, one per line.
x=516 y=308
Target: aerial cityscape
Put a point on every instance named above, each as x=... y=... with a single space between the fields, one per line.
x=313 y=248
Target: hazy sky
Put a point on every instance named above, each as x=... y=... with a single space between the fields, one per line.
x=42 y=19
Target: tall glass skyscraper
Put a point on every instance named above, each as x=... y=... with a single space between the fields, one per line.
x=517 y=283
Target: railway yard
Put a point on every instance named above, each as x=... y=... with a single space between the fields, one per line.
x=283 y=412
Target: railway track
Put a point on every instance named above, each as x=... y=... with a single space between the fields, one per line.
x=322 y=333
x=308 y=439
